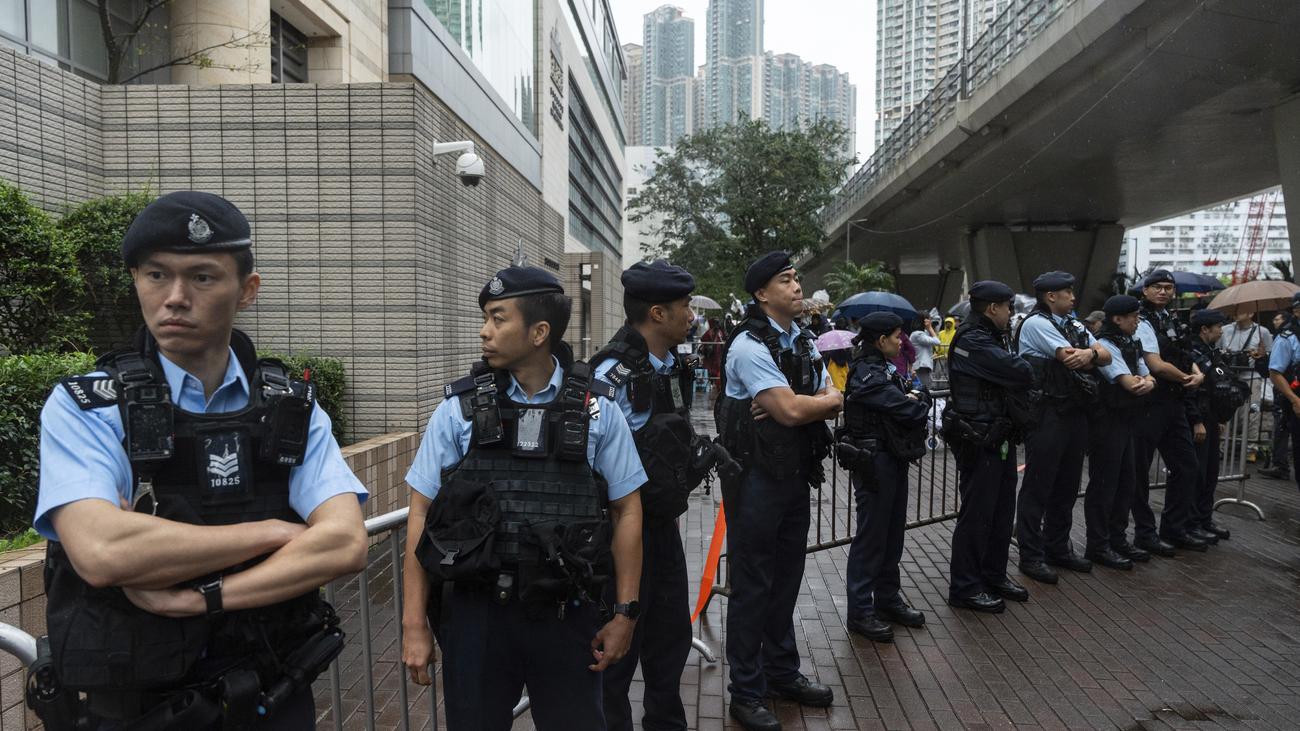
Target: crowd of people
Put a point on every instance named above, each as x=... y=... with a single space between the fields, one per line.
x=195 y=498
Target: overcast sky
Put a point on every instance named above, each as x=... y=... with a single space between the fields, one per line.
x=838 y=32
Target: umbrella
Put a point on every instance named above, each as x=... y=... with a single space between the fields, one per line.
x=1187 y=283
x=834 y=340
x=700 y=302
x=1261 y=295
x=961 y=309
x=864 y=303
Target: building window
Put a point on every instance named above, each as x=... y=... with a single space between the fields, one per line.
x=497 y=35
x=288 y=52
x=67 y=34
x=595 y=182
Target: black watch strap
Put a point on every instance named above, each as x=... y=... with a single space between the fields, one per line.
x=631 y=609
x=211 y=592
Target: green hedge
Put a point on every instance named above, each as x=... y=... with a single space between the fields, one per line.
x=25 y=382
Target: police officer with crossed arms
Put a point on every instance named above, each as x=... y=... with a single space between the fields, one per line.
x=195 y=501
x=524 y=505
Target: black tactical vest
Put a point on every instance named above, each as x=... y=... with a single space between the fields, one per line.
x=975 y=398
x=1171 y=335
x=1222 y=392
x=202 y=469
x=866 y=423
x=665 y=442
x=522 y=512
x=1114 y=397
x=781 y=451
x=1060 y=385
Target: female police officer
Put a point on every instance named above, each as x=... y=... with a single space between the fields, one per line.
x=224 y=458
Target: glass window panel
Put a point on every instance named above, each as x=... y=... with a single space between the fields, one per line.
x=87 y=38
x=498 y=37
x=13 y=17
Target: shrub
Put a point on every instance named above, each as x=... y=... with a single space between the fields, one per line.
x=39 y=280
x=331 y=383
x=25 y=382
x=95 y=230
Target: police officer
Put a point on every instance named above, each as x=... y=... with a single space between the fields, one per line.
x=1126 y=381
x=1214 y=404
x=885 y=429
x=1282 y=371
x=1064 y=355
x=654 y=389
x=983 y=421
x=195 y=501
x=525 y=471
x=776 y=398
x=1163 y=424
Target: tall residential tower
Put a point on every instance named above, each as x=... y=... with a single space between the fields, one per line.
x=668 y=95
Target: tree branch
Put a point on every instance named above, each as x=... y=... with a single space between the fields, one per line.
x=189 y=58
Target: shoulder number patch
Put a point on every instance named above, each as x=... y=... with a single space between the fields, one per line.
x=91 y=392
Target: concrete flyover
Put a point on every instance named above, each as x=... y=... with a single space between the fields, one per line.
x=1065 y=123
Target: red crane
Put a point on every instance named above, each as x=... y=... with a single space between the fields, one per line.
x=1254 y=237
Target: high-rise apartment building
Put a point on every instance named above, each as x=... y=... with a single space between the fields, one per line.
x=797 y=93
x=917 y=43
x=734 y=57
x=632 y=92
x=668 y=96
x=1209 y=241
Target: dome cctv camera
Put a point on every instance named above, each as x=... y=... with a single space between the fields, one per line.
x=469 y=168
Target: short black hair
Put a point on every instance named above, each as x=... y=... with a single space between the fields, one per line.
x=636 y=309
x=979 y=306
x=243 y=262
x=553 y=308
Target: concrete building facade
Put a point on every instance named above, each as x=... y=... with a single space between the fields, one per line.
x=634 y=53
x=734 y=57
x=668 y=109
x=371 y=249
x=797 y=93
x=1209 y=241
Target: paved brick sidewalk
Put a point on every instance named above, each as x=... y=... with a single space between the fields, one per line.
x=1200 y=641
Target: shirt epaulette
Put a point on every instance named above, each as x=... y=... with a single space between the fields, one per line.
x=91 y=392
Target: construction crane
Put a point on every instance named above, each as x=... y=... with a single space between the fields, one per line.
x=1254 y=237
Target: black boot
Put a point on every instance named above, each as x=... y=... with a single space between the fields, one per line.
x=871 y=627
x=754 y=715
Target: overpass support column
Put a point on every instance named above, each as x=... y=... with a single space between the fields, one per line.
x=1017 y=256
x=1286 y=131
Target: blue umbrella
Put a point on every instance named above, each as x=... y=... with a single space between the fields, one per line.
x=864 y=303
x=1187 y=283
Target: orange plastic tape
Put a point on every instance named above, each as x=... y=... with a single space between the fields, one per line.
x=711 y=563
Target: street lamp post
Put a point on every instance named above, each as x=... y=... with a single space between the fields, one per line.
x=848 y=238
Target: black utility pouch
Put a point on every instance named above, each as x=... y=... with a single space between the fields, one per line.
x=460 y=534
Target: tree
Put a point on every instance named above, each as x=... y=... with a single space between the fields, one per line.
x=95 y=230
x=726 y=195
x=1283 y=266
x=121 y=42
x=39 y=281
x=847 y=279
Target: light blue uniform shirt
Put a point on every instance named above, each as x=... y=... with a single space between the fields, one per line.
x=635 y=419
x=1038 y=337
x=1147 y=336
x=1117 y=366
x=82 y=454
x=610 y=449
x=1286 y=350
x=751 y=369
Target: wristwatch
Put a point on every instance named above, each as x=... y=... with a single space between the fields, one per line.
x=211 y=593
x=631 y=610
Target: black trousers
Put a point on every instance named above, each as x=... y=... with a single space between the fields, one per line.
x=767 y=535
x=872 y=578
x=662 y=639
x=297 y=713
x=1053 y=467
x=1280 y=455
x=1111 y=479
x=1163 y=428
x=492 y=651
x=1207 y=476
x=982 y=538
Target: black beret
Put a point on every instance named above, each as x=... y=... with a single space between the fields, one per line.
x=657 y=281
x=764 y=268
x=517 y=281
x=1053 y=281
x=1208 y=318
x=1157 y=276
x=186 y=221
x=991 y=291
x=1120 y=304
x=879 y=323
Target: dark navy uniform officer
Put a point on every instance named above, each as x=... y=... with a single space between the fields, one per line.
x=525 y=483
x=885 y=430
x=1111 y=476
x=654 y=388
x=1064 y=355
x=1163 y=424
x=771 y=418
x=1283 y=370
x=1215 y=403
x=982 y=422
x=195 y=501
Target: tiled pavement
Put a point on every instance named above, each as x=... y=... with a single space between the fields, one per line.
x=1199 y=641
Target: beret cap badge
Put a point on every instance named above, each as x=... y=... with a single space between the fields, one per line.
x=200 y=232
x=496 y=286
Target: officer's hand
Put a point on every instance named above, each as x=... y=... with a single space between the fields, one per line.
x=419 y=652
x=758 y=412
x=612 y=642
x=1198 y=433
x=1295 y=407
x=1076 y=358
x=1195 y=380
x=167 y=602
